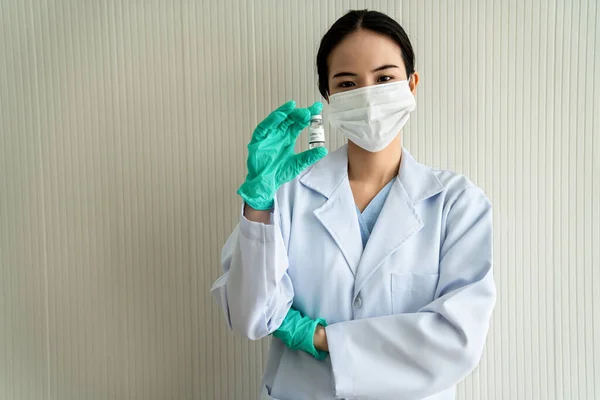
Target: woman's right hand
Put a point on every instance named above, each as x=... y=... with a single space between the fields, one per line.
x=320 y=338
x=271 y=157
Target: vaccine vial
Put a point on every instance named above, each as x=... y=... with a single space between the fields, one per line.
x=316 y=133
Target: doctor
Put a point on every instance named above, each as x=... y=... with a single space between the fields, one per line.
x=386 y=262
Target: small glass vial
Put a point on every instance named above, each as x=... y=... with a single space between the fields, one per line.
x=316 y=133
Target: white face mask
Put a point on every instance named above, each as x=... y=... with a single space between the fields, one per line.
x=372 y=116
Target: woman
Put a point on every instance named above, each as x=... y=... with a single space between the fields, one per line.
x=394 y=255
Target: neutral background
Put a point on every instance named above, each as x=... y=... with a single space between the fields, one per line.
x=123 y=127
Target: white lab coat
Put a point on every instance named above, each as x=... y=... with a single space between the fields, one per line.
x=408 y=316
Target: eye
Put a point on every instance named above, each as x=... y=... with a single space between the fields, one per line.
x=385 y=78
x=346 y=84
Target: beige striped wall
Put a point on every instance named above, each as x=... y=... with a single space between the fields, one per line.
x=123 y=127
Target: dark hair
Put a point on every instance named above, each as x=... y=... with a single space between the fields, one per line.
x=353 y=21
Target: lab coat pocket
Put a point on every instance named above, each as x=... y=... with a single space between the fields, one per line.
x=411 y=292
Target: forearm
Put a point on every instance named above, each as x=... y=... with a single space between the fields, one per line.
x=255 y=290
x=417 y=354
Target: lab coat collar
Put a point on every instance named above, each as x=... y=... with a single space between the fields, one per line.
x=326 y=175
x=418 y=180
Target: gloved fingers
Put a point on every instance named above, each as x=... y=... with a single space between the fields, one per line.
x=316 y=108
x=309 y=157
x=273 y=120
x=299 y=162
x=298 y=127
x=293 y=125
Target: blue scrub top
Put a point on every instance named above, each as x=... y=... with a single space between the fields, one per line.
x=368 y=218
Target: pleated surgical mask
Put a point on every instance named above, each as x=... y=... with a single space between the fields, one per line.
x=372 y=116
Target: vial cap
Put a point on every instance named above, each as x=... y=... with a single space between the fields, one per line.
x=317 y=117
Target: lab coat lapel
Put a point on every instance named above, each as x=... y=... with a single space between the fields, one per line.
x=338 y=215
x=396 y=223
x=399 y=219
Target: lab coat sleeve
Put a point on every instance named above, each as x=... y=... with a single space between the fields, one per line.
x=254 y=291
x=412 y=356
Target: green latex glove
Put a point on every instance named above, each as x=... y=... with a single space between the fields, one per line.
x=271 y=157
x=297 y=332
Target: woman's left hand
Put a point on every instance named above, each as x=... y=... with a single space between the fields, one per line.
x=298 y=332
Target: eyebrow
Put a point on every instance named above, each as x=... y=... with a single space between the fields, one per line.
x=387 y=66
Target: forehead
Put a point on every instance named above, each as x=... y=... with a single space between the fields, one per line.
x=363 y=51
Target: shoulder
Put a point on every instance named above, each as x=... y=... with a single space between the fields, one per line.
x=457 y=185
x=441 y=186
x=461 y=197
x=447 y=189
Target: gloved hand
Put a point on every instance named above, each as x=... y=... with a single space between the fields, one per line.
x=271 y=157
x=297 y=333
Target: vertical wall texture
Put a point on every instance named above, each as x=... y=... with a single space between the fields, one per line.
x=123 y=127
